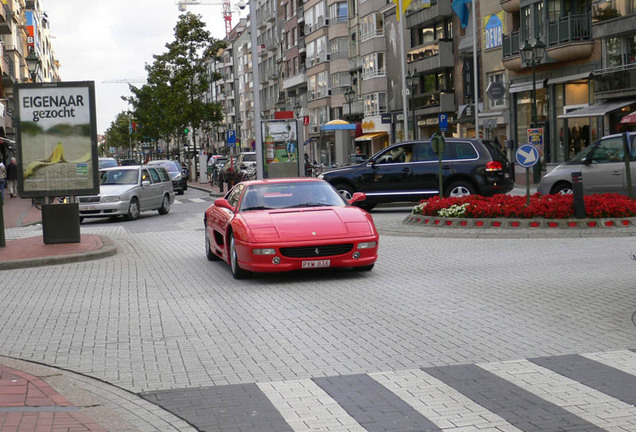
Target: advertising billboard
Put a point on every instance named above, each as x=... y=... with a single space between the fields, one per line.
x=281 y=156
x=56 y=139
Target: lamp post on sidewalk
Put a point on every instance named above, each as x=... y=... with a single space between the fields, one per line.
x=411 y=81
x=532 y=54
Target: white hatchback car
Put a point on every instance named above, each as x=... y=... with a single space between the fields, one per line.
x=127 y=191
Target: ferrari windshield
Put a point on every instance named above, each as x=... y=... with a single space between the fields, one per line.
x=290 y=195
x=118 y=177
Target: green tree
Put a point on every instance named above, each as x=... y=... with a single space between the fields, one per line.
x=117 y=135
x=173 y=99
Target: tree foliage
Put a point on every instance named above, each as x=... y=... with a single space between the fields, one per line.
x=173 y=97
x=117 y=135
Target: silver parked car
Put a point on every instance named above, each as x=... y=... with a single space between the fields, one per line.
x=601 y=165
x=127 y=191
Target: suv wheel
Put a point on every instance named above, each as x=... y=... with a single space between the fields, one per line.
x=345 y=190
x=459 y=189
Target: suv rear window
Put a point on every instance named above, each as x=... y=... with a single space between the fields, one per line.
x=495 y=150
x=464 y=150
x=249 y=157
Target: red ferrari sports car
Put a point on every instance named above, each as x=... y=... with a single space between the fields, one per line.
x=278 y=225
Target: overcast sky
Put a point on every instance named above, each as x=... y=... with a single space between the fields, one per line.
x=107 y=40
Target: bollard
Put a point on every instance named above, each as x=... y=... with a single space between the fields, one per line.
x=577 y=191
x=220 y=183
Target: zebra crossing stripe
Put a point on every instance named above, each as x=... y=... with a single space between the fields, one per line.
x=624 y=360
x=443 y=405
x=198 y=200
x=306 y=407
x=374 y=406
x=587 y=403
x=605 y=379
x=519 y=407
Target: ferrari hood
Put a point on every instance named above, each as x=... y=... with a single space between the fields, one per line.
x=313 y=223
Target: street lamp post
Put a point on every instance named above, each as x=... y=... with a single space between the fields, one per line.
x=411 y=81
x=532 y=54
x=33 y=64
x=349 y=95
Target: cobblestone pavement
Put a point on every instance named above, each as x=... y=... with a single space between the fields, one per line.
x=453 y=334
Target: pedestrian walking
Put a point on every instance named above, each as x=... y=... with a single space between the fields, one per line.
x=12 y=178
x=3 y=180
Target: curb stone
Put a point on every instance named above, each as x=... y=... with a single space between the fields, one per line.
x=503 y=223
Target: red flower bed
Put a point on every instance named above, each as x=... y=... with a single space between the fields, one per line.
x=541 y=206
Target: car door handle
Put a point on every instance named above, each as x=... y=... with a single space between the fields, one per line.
x=407 y=169
x=446 y=166
x=617 y=173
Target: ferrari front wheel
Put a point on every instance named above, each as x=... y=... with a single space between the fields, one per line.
x=237 y=271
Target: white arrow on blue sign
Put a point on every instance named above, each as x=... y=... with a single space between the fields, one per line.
x=527 y=155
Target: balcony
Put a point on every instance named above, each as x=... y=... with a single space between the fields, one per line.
x=606 y=10
x=439 y=9
x=432 y=56
x=5 y=19
x=613 y=18
x=437 y=102
x=295 y=81
x=568 y=38
x=8 y=71
x=510 y=6
x=616 y=81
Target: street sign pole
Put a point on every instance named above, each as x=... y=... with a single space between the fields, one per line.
x=527 y=156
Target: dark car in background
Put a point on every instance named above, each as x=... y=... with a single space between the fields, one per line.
x=179 y=180
x=408 y=171
x=127 y=162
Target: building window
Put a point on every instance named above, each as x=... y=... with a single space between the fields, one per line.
x=496 y=78
x=317 y=85
x=620 y=51
x=339 y=48
x=316 y=51
x=371 y=26
x=340 y=81
x=338 y=12
x=374 y=104
x=373 y=66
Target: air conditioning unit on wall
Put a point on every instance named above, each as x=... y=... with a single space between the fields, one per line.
x=314 y=129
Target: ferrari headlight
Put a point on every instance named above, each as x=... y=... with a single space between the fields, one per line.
x=367 y=245
x=265 y=251
x=110 y=199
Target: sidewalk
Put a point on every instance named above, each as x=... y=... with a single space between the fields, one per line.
x=32 y=252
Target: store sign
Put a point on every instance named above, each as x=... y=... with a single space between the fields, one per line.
x=493 y=30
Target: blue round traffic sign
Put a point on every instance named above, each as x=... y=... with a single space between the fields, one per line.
x=527 y=156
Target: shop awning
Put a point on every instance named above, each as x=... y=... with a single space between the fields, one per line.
x=597 y=109
x=370 y=136
x=524 y=86
x=569 y=78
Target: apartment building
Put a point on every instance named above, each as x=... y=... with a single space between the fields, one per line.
x=24 y=31
x=563 y=78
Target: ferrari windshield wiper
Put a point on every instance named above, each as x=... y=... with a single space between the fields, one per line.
x=257 y=208
x=310 y=204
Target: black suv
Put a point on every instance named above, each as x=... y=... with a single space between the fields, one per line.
x=408 y=171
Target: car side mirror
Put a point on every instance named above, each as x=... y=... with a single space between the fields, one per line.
x=586 y=161
x=145 y=183
x=222 y=202
x=358 y=196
